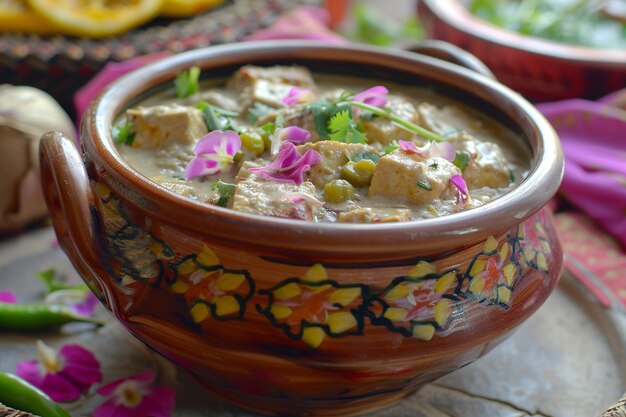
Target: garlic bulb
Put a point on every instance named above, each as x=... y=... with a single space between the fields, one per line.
x=26 y=113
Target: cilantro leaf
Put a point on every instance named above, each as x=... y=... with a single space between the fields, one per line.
x=344 y=129
x=323 y=111
x=461 y=159
x=123 y=134
x=226 y=191
x=186 y=83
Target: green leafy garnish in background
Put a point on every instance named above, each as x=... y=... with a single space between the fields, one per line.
x=53 y=283
x=570 y=21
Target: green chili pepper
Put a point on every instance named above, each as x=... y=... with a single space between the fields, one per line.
x=19 y=394
x=38 y=316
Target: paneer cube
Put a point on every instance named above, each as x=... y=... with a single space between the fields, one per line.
x=334 y=156
x=278 y=74
x=159 y=126
x=487 y=167
x=278 y=199
x=412 y=178
x=385 y=131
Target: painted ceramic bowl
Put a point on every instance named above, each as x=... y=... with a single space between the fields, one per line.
x=539 y=69
x=288 y=317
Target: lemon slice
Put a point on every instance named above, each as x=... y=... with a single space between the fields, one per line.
x=184 y=8
x=16 y=16
x=96 y=18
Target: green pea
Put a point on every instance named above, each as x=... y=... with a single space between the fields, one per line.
x=19 y=394
x=338 y=191
x=252 y=141
x=359 y=173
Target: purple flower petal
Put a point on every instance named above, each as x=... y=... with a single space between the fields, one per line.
x=145 y=378
x=87 y=306
x=410 y=147
x=150 y=401
x=459 y=182
x=214 y=152
x=298 y=95
x=374 y=96
x=444 y=150
x=8 y=297
x=294 y=134
x=67 y=375
x=81 y=366
x=289 y=165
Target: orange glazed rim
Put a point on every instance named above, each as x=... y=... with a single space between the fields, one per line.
x=375 y=240
x=455 y=14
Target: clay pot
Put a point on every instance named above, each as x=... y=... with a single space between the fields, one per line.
x=288 y=317
x=540 y=69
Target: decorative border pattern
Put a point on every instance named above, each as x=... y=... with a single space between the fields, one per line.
x=419 y=304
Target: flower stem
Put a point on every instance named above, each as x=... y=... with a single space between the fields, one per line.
x=411 y=127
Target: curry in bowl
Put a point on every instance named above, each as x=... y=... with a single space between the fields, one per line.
x=279 y=141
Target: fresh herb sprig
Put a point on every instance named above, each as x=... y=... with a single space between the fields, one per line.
x=405 y=124
x=124 y=134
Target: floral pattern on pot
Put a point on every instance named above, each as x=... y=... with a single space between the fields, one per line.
x=417 y=304
x=420 y=303
x=312 y=307
x=210 y=289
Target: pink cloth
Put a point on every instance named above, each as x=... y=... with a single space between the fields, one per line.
x=593 y=135
x=302 y=23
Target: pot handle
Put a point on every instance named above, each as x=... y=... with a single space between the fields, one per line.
x=450 y=53
x=70 y=202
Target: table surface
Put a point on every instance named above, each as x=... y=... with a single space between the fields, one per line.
x=565 y=361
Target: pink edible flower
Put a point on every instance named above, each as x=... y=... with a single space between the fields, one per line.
x=444 y=150
x=64 y=374
x=374 y=96
x=410 y=147
x=299 y=95
x=294 y=134
x=8 y=297
x=135 y=397
x=458 y=181
x=289 y=165
x=214 y=152
x=81 y=302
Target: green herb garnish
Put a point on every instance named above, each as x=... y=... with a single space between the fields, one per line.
x=50 y=279
x=225 y=190
x=511 y=175
x=461 y=160
x=434 y=165
x=186 y=83
x=323 y=111
x=425 y=185
x=391 y=147
x=343 y=128
x=365 y=155
x=258 y=111
x=405 y=124
x=123 y=134
x=217 y=118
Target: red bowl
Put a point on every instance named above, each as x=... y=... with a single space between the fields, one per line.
x=539 y=69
